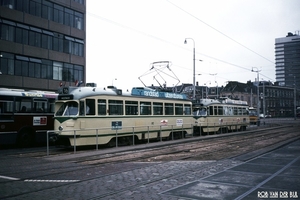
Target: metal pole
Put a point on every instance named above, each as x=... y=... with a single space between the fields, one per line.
x=194 y=78
x=295 y=100
x=74 y=141
x=96 y=139
x=47 y=143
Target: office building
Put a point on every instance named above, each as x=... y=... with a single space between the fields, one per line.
x=42 y=43
x=287 y=56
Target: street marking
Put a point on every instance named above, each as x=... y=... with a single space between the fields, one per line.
x=9 y=178
x=39 y=180
x=51 y=181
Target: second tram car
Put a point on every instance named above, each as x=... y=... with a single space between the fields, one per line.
x=254 y=117
x=220 y=115
x=93 y=115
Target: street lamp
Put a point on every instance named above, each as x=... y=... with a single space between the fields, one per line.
x=257 y=71
x=194 y=88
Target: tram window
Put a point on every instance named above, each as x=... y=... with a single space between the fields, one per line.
x=225 y=110
x=90 y=106
x=215 y=110
x=235 y=111
x=187 y=109
x=220 y=110
x=211 y=110
x=81 y=108
x=67 y=109
x=169 y=109
x=230 y=111
x=157 y=108
x=131 y=107
x=115 y=107
x=240 y=111
x=145 y=108
x=245 y=111
x=178 y=109
x=101 y=107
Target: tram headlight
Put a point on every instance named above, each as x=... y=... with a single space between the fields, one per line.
x=60 y=128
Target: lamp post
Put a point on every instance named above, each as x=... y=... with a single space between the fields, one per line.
x=257 y=71
x=194 y=88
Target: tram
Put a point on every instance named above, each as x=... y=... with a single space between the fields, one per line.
x=92 y=115
x=220 y=115
x=254 y=117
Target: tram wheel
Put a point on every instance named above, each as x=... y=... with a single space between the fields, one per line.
x=112 y=143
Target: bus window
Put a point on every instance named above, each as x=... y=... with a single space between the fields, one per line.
x=187 y=109
x=178 y=109
x=157 y=108
x=101 y=107
x=169 y=109
x=145 y=108
x=6 y=110
x=90 y=106
x=40 y=105
x=131 y=107
x=23 y=105
x=51 y=105
x=115 y=107
x=68 y=109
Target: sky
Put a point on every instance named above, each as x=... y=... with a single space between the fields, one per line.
x=230 y=37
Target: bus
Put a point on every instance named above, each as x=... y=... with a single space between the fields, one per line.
x=220 y=115
x=25 y=116
x=254 y=117
x=110 y=116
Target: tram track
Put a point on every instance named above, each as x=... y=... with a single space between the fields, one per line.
x=183 y=150
x=126 y=160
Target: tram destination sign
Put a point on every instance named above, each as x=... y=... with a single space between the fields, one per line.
x=153 y=93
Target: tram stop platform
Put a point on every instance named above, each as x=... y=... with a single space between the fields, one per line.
x=274 y=175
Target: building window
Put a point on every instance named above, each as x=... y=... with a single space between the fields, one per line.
x=7 y=63
x=11 y=64
x=57 y=70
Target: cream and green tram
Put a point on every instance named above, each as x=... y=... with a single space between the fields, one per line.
x=220 y=115
x=92 y=115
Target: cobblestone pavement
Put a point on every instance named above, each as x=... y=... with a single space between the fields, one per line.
x=275 y=174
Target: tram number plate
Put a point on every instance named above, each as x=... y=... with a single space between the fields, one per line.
x=116 y=125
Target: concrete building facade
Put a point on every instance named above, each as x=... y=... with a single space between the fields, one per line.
x=42 y=43
x=287 y=58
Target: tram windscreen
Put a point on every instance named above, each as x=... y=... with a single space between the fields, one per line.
x=252 y=112
x=68 y=109
x=200 y=111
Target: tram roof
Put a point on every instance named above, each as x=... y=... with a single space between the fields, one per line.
x=227 y=101
x=70 y=92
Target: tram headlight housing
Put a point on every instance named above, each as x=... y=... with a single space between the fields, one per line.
x=61 y=128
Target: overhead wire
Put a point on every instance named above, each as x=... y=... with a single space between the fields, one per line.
x=176 y=45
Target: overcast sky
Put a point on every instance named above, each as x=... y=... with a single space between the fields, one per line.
x=231 y=37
